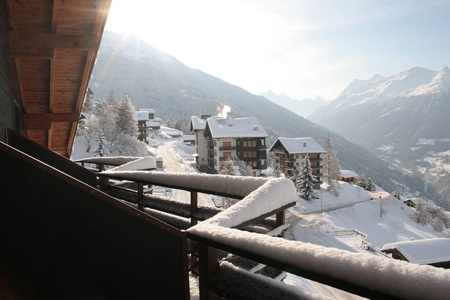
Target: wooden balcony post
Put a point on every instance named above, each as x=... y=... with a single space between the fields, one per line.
x=194 y=206
x=281 y=219
x=103 y=182
x=140 y=194
x=207 y=267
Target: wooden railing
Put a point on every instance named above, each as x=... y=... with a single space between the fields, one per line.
x=365 y=275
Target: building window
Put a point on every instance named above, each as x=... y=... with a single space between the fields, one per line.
x=254 y=153
x=245 y=154
x=227 y=144
x=245 y=144
x=297 y=156
x=227 y=154
x=253 y=143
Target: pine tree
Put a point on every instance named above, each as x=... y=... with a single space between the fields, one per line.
x=361 y=181
x=331 y=167
x=305 y=182
x=126 y=121
x=101 y=150
x=295 y=174
x=370 y=186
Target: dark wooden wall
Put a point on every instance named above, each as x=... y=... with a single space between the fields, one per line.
x=9 y=89
x=61 y=239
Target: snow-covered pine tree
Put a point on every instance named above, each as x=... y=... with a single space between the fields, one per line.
x=126 y=121
x=370 y=186
x=305 y=182
x=331 y=167
x=361 y=181
x=295 y=174
x=106 y=114
x=101 y=149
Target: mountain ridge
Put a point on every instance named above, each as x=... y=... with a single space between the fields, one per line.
x=391 y=115
x=303 y=107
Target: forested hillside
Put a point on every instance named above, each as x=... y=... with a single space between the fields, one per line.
x=127 y=66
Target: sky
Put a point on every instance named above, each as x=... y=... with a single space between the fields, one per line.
x=301 y=48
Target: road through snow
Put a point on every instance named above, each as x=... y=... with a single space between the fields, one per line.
x=174 y=163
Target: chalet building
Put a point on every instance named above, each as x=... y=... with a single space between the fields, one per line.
x=347 y=176
x=434 y=252
x=147 y=123
x=289 y=153
x=218 y=138
x=198 y=126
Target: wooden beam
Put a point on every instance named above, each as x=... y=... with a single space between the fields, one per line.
x=44 y=121
x=39 y=44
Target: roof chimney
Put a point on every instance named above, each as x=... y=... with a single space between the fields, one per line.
x=304 y=145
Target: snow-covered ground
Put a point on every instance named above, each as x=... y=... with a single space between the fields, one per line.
x=356 y=220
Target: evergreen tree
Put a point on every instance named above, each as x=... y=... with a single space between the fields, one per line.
x=295 y=174
x=370 y=186
x=126 y=121
x=361 y=181
x=101 y=150
x=106 y=115
x=305 y=181
x=331 y=168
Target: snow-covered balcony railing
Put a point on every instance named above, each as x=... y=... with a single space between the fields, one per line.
x=366 y=275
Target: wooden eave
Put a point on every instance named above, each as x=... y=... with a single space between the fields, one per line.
x=54 y=44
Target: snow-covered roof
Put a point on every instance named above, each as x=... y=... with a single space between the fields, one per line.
x=197 y=123
x=149 y=110
x=230 y=127
x=348 y=174
x=189 y=137
x=142 y=115
x=300 y=145
x=426 y=251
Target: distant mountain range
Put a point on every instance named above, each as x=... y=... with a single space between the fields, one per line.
x=302 y=107
x=403 y=117
x=129 y=66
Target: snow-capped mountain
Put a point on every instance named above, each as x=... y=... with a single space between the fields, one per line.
x=393 y=116
x=302 y=107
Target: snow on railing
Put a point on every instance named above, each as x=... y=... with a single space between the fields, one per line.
x=370 y=272
x=239 y=186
